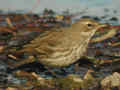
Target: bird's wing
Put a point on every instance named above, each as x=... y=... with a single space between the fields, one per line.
x=47 y=43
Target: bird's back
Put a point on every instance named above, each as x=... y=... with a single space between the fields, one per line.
x=64 y=46
x=58 y=48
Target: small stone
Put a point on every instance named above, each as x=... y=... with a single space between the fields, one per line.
x=1 y=48
x=37 y=76
x=75 y=78
x=11 y=56
x=112 y=80
x=88 y=75
x=11 y=88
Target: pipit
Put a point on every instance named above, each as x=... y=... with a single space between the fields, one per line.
x=58 y=48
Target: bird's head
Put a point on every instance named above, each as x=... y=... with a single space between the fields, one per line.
x=88 y=26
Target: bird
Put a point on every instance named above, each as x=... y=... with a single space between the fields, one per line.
x=63 y=46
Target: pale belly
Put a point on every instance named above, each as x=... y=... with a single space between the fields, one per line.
x=60 y=59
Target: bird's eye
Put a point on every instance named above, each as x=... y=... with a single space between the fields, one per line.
x=89 y=25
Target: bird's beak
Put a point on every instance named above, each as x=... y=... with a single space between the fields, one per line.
x=103 y=26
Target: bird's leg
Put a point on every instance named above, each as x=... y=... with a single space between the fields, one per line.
x=111 y=65
x=49 y=70
x=76 y=67
x=95 y=63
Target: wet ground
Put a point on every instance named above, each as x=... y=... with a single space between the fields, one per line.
x=105 y=51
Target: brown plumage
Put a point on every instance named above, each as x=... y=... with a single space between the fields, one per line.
x=62 y=47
